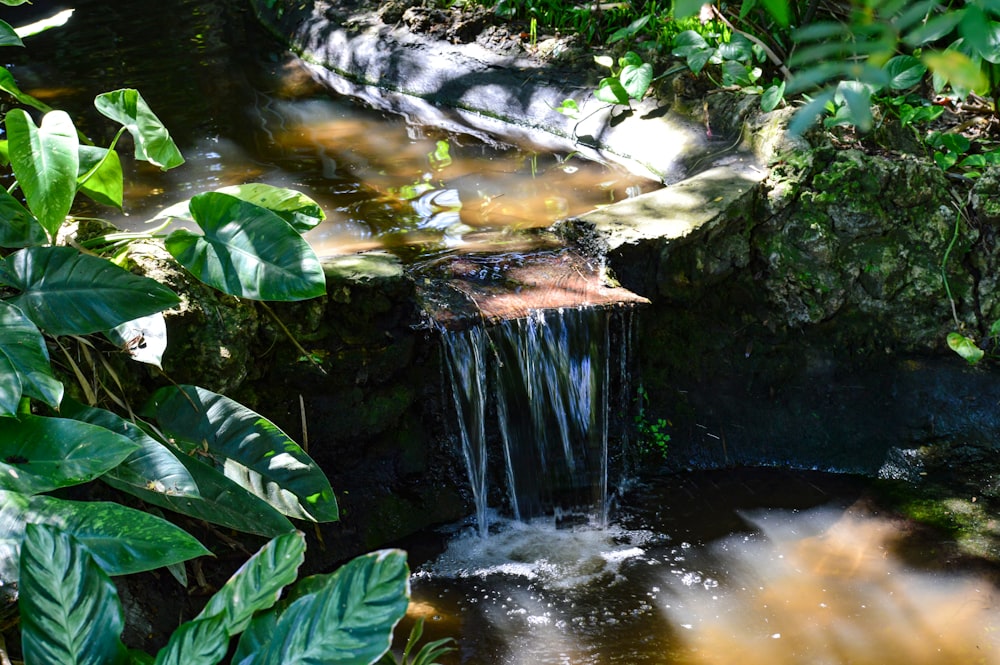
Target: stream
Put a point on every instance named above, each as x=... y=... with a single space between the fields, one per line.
x=760 y=566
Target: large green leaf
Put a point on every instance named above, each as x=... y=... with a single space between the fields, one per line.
x=300 y=211
x=121 y=539
x=68 y=293
x=8 y=85
x=249 y=449
x=152 y=140
x=24 y=362
x=45 y=161
x=163 y=476
x=8 y=36
x=348 y=622
x=39 y=454
x=258 y=583
x=247 y=251
x=19 y=228
x=611 y=91
x=100 y=175
x=197 y=642
x=70 y=612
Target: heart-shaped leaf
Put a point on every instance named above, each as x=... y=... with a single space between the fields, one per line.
x=247 y=251
x=68 y=293
x=100 y=177
x=965 y=347
x=40 y=454
x=611 y=91
x=24 y=362
x=152 y=140
x=144 y=339
x=249 y=449
x=904 y=72
x=636 y=79
x=70 y=611
x=300 y=211
x=122 y=540
x=45 y=161
x=8 y=85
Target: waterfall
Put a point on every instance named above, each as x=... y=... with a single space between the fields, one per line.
x=543 y=390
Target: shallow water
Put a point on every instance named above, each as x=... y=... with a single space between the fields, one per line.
x=767 y=567
x=242 y=110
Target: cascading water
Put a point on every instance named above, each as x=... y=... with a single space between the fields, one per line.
x=548 y=385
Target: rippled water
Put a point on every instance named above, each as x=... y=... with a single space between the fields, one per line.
x=243 y=110
x=747 y=568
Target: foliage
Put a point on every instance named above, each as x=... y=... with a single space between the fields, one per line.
x=630 y=79
x=653 y=438
x=71 y=613
x=426 y=655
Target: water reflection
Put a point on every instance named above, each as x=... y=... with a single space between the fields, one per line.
x=243 y=110
x=823 y=582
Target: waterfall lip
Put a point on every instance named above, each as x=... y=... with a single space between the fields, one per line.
x=463 y=290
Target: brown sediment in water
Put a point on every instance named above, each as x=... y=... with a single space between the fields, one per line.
x=462 y=290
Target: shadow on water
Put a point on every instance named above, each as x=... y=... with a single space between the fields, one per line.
x=742 y=566
x=243 y=110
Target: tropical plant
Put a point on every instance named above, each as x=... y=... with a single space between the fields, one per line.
x=192 y=451
x=70 y=611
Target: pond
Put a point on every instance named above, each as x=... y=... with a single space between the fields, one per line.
x=243 y=110
x=751 y=566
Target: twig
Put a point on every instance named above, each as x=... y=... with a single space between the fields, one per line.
x=305 y=430
x=291 y=338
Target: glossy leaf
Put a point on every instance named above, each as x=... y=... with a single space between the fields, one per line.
x=163 y=476
x=70 y=611
x=905 y=71
x=636 y=79
x=8 y=37
x=247 y=251
x=8 y=85
x=68 y=293
x=258 y=583
x=40 y=454
x=122 y=540
x=300 y=211
x=197 y=642
x=772 y=97
x=100 y=177
x=152 y=140
x=965 y=347
x=611 y=91
x=247 y=448
x=45 y=161
x=629 y=31
x=348 y=622
x=19 y=227
x=24 y=362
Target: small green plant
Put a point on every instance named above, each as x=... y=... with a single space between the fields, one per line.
x=652 y=435
x=629 y=80
x=426 y=655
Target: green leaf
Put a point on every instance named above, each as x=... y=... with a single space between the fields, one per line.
x=100 y=177
x=196 y=642
x=806 y=116
x=611 y=91
x=152 y=140
x=630 y=30
x=19 y=227
x=70 y=612
x=934 y=29
x=772 y=97
x=45 y=161
x=697 y=60
x=904 y=71
x=162 y=476
x=8 y=85
x=39 y=454
x=688 y=42
x=24 y=361
x=685 y=8
x=739 y=49
x=249 y=449
x=8 y=36
x=300 y=211
x=965 y=347
x=636 y=79
x=348 y=622
x=247 y=251
x=68 y=293
x=779 y=11
x=122 y=540
x=258 y=583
